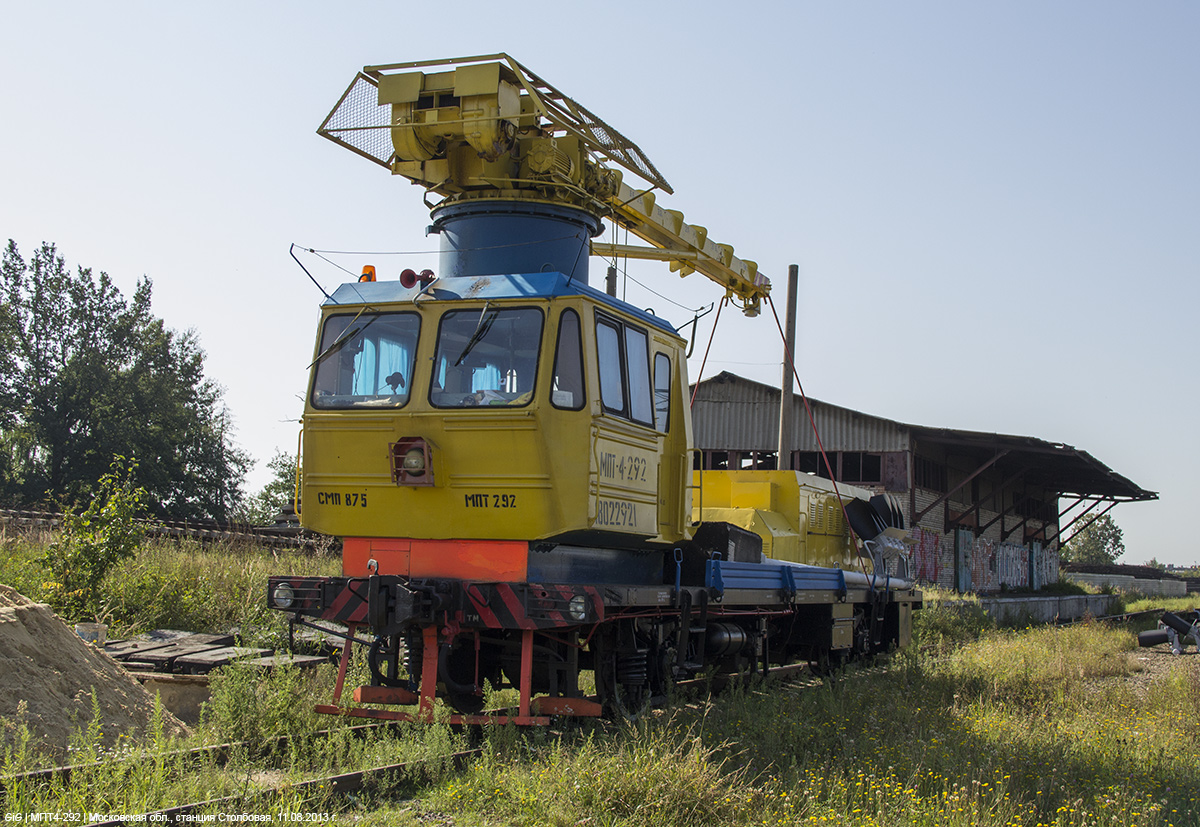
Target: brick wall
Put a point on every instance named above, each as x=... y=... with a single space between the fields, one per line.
x=992 y=562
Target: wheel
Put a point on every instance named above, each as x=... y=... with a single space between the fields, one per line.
x=383 y=661
x=457 y=671
x=827 y=663
x=622 y=671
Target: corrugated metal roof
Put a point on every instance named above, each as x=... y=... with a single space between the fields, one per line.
x=732 y=413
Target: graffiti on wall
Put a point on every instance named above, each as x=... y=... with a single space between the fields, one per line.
x=991 y=565
x=933 y=558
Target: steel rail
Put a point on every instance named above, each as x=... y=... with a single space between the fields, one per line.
x=203 y=530
x=340 y=783
x=781 y=677
x=219 y=752
x=1120 y=618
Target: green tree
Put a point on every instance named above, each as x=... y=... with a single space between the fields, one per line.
x=89 y=375
x=261 y=508
x=1099 y=542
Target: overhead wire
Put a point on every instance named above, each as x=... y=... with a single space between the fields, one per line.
x=615 y=262
x=704 y=361
x=787 y=352
x=433 y=252
x=323 y=255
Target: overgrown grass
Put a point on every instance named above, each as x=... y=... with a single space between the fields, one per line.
x=971 y=726
x=20 y=561
x=200 y=588
x=1032 y=727
x=249 y=705
x=655 y=774
x=942 y=627
x=156 y=774
x=169 y=584
x=1172 y=604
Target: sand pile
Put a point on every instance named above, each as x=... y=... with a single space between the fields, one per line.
x=45 y=664
x=10 y=597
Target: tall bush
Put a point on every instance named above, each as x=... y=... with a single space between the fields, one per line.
x=94 y=540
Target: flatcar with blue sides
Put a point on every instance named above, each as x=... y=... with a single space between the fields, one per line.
x=506 y=451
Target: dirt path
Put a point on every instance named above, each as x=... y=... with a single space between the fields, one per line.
x=1157 y=662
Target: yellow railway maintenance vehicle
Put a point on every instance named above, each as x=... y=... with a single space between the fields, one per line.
x=506 y=451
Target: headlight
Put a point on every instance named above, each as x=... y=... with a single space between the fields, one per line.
x=414 y=462
x=283 y=596
x=578 y=608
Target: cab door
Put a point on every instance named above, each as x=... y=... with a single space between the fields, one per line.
x=626 y=448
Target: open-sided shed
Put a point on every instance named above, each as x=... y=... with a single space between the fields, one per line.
x=988 y=511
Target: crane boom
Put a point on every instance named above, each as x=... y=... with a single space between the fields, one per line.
x=487 y=128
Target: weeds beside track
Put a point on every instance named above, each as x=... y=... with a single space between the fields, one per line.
x=321 y=787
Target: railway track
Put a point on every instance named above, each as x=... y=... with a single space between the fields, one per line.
x=344 y=782
x=218 y=753
x=205 y=531
x=795 y=677
x=790 y=678
x=341 y=783
x=1118 y=618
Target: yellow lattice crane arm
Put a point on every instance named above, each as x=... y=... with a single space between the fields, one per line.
x=488 y=128
x=686 y=246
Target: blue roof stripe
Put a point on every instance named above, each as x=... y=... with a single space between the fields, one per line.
x=484 y=288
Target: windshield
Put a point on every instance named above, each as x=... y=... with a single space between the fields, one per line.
x=486 y=357
x=366 y=361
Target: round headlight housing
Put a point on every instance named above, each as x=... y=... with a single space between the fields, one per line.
x=414 y=461
x=283 y=596
x=578 y=608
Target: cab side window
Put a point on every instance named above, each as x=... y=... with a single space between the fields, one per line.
x=637 y=360
x=662 y=392
x=567 y=389
x=612 y=384
x=624 y=357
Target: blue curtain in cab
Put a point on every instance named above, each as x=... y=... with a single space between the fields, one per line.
x=485 y=379
x=378 y=360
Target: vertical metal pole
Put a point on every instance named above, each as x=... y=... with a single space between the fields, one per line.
x=351 y=628
x=784 y=460
x=429 y=673
x=523 y=709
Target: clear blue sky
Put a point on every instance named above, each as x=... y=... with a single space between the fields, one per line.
x=994 y=206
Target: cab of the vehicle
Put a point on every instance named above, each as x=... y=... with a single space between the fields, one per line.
x=456 y=417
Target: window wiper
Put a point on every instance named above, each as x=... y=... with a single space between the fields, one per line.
x=481 y=329
x=346 y=336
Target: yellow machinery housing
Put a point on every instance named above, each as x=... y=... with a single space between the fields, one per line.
x=797 y=515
